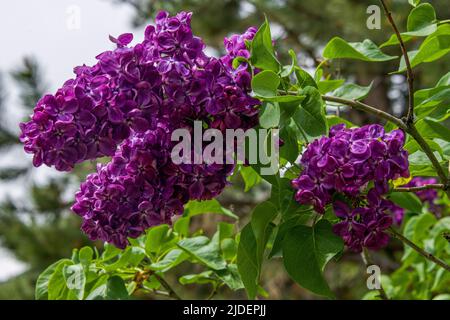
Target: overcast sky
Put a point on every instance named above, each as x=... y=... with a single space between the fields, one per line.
x=60 y=34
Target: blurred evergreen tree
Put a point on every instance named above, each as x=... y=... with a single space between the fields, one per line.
x=38 y=228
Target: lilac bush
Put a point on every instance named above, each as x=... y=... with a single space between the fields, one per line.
x=126 y=106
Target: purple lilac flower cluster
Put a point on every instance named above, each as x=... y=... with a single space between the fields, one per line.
x=345 y=163
x=126 y=106
x=364 y=225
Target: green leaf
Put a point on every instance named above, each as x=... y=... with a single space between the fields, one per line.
x=269 y=116
x=311 y=115
x=419 y=164
x=110 y=252
x=306 y=251
x=199 y=278
x=170 y=260
x=181 y=226
x=282 y=196
x=228 y=248
x=225 y=230
x=285 y=98
x=231 y=277
x=262 y=52
x=407 y=200
x=433 y=103
x=250 y=177
x=393 y=40
x=262 y=216
x=42 y=283
x=98 y=290
x=444 y=81
x=290 y=136
x=430 y=128
x=247 y=262
x=238 y=61
x=412 y=146
x=283 y=229
x=421 y=21
x=204 y=250
x=157 y=237
x=434 y=47
x=194 y=207
x=414 y=2
x=152 y=283
x=57 y=283
x=132 y=256
x=75 y=279
x=352 y=91
x=367 y=50
x=265 y=84
x=304 y=79
x=287 y=70
x=415 y=229
x=85 y=255
x=329 y=85
x=116 y=289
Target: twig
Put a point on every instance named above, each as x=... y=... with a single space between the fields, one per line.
x=409 y=72
x=419 y=250
x=368 y=262
x=425 y=187
x=411 y=129
x=369 y=109
x=213 y=292
x=166 y=286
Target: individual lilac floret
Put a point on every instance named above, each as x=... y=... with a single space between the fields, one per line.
x=347 y=160
x=126 y=106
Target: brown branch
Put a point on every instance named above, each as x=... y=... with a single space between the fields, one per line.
x=411 y=129
x=420 y=188
x=166 y=286
x=419 y=250
x=369 y=109
x=409 y=72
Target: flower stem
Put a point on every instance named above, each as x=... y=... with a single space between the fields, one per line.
x=419 y=250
